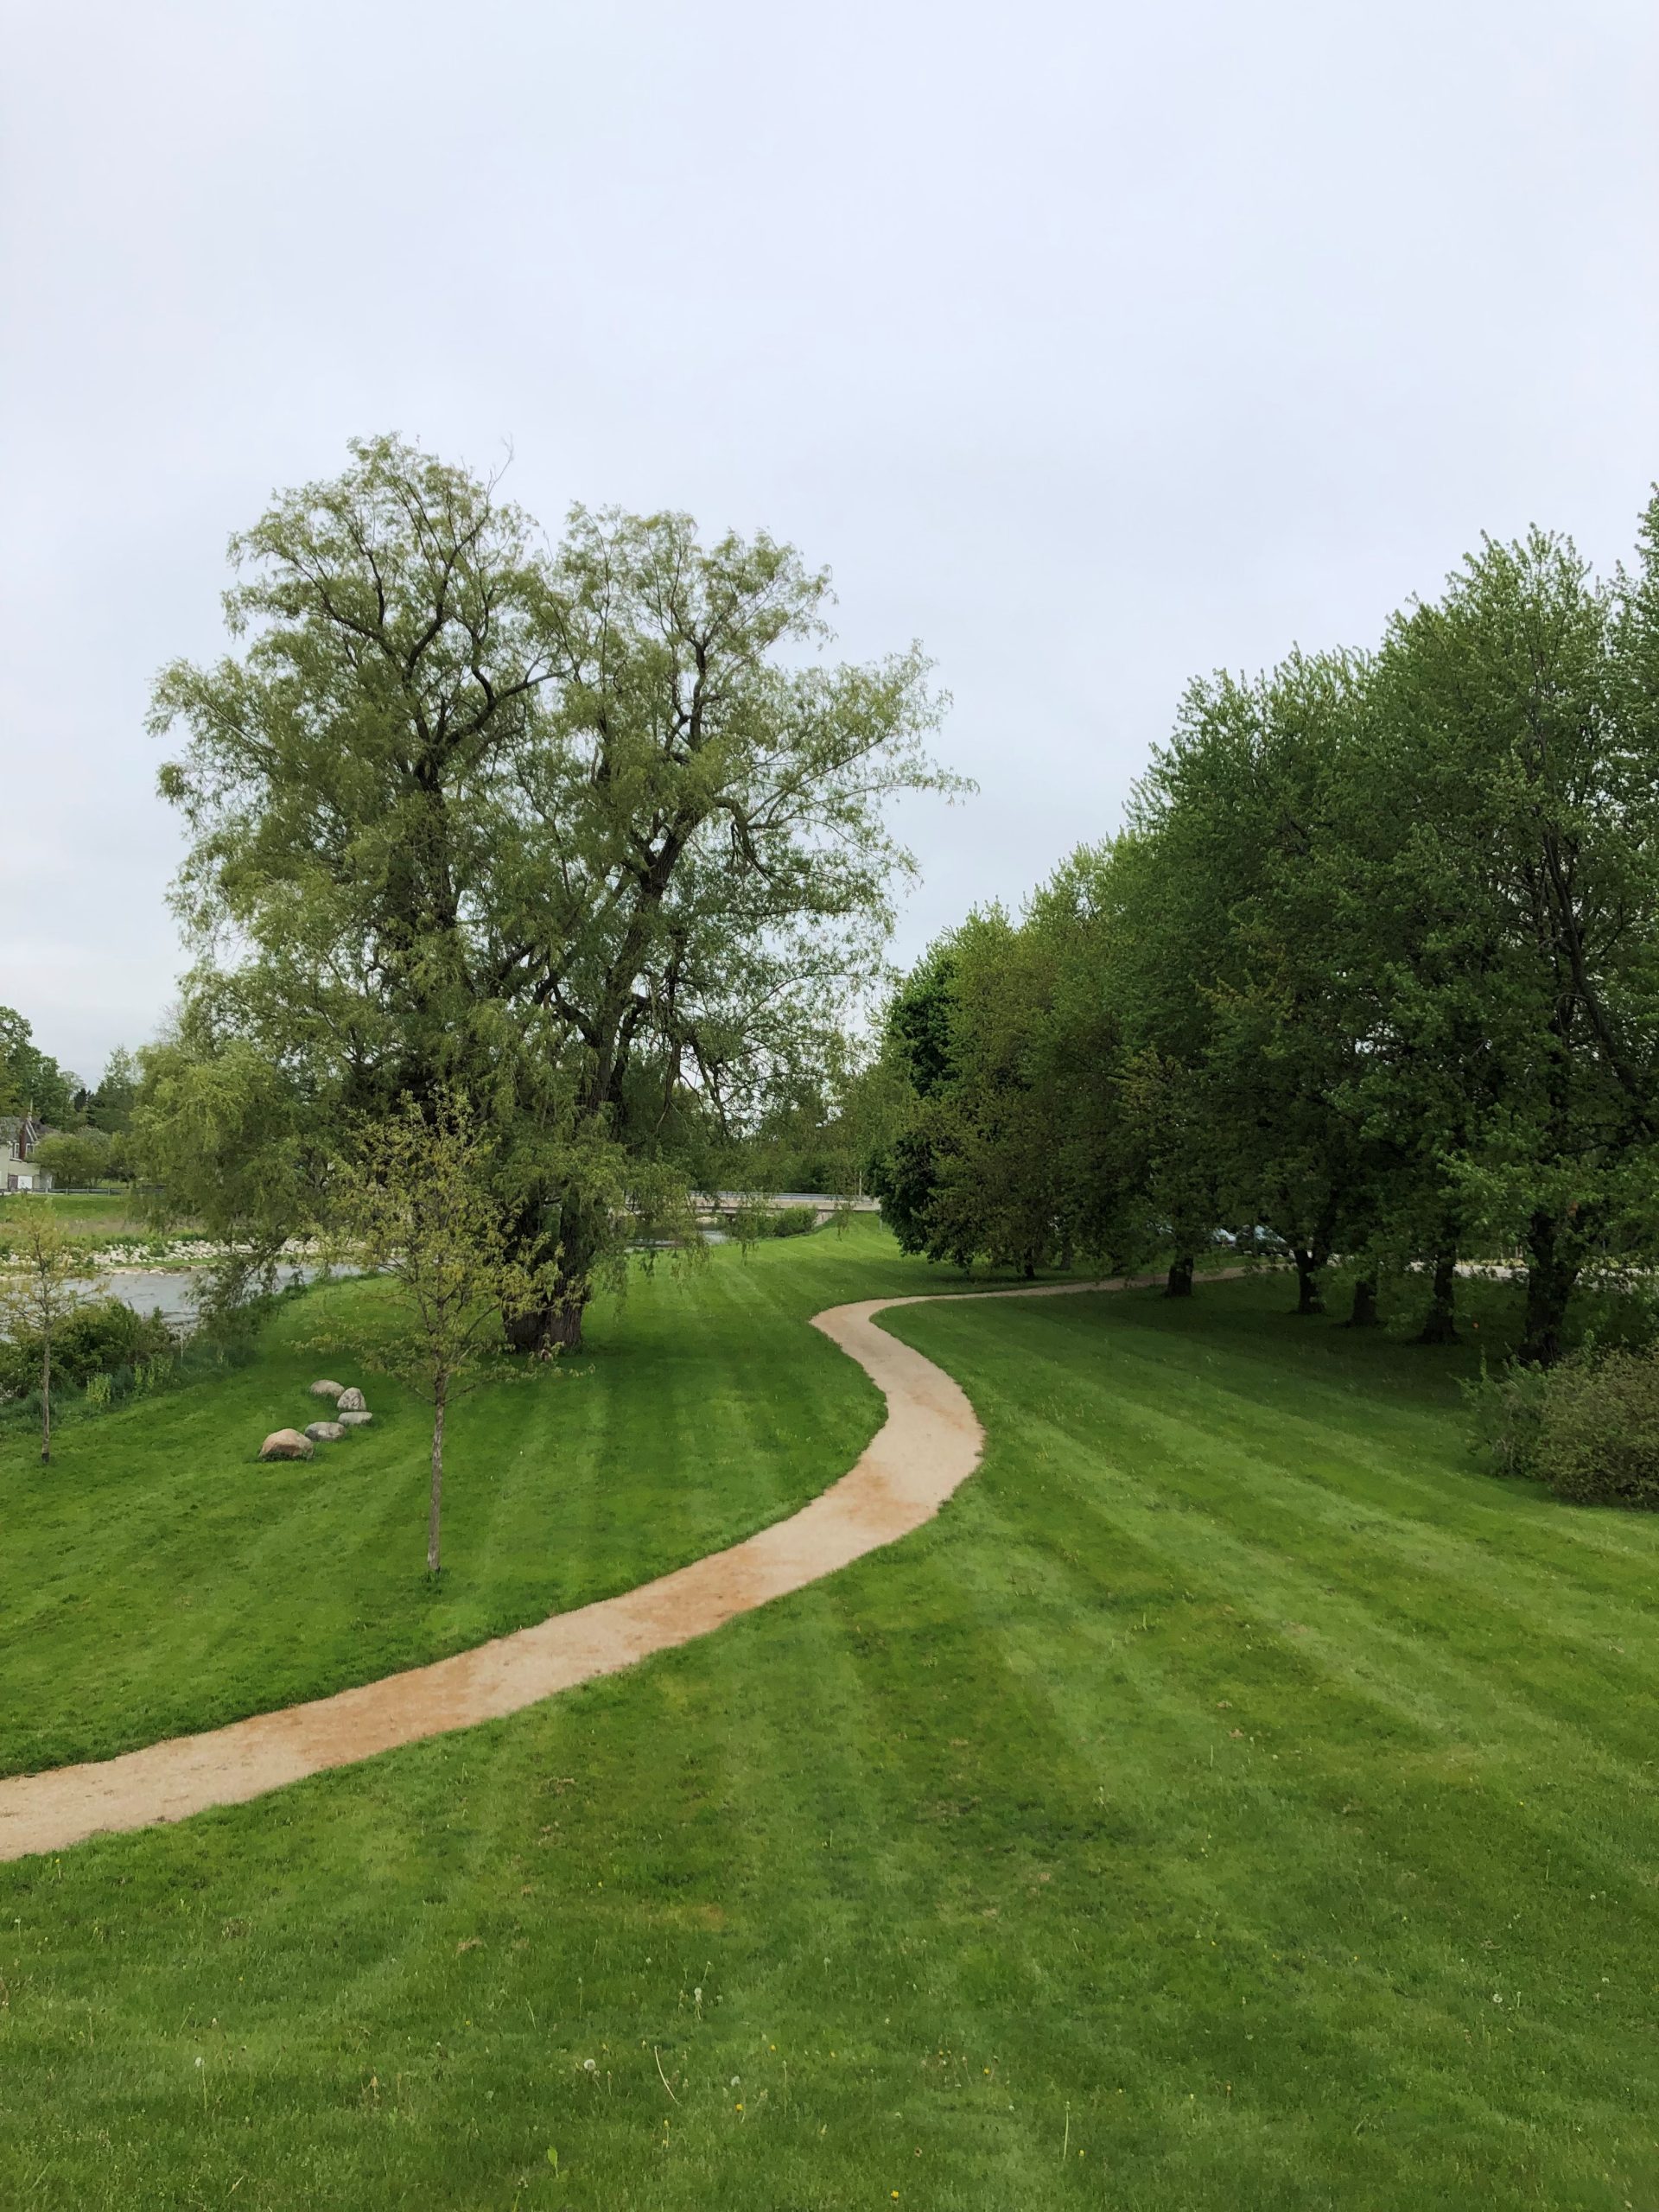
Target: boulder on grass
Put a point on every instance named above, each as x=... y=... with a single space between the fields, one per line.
x=286 y=1444
x=353 y=1402
x=349 y=1420
x=327 y=1389
x=324 y=1432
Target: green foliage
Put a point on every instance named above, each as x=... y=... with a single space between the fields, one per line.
x=31 y=1082
x=45 y=1280
x=1588 y=1426
x=920 y=1022
x=755 y=1219
x=818 y=1131
x=1505 y=1413
x=584 y=834
x=110 y=1107
x=793 y=1221
x=224 y=1129
x=77 y=1158
x=1518 y=899
x=1241 y=994
x=904 y=1176
x=1374 y=972
x=413 y=1202
x=1007 y=1042
x=98 y=1339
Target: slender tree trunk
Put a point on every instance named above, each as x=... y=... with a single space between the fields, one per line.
x=1364 y=1314
x=1178 y=1283
x=1308 y=1299
x=46 y=1399
x=1550 y=1278
x=1440 y=1322
x=434 y=1510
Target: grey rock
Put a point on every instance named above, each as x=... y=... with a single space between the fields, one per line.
x=349 y=1420
x=327 y=1389
x=353 y=1402
x=286 y=1444
x=325 y=1432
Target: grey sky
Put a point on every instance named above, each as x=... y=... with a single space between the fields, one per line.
x=1094 y=345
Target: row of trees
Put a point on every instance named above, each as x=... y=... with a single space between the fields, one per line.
x=32 y=1082
x=89 y=1140
x=1373 y=971
x=585 y=835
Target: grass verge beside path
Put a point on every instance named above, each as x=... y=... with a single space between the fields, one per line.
x=1235 y=1800
x=155 y=1579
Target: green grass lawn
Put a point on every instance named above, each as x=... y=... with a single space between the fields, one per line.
x=1236 y=1799
x=156 y=1577
x=88 y=1211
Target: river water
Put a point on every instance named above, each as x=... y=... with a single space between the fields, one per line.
x=171 y=1289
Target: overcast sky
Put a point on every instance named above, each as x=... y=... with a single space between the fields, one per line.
x=1095 y=346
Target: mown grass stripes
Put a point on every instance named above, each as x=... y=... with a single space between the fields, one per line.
x=1234 y=1786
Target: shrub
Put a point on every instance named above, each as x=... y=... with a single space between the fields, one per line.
x=793 y=1221
x=1504 y=1411
x=1589 y=1427
x=1598 y=1430
x=100 y=1339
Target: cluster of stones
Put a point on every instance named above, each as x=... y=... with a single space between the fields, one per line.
x=351 y=1411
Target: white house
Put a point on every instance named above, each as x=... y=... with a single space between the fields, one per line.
x=19 y=1134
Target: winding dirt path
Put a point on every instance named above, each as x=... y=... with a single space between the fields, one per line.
x=927 y=1446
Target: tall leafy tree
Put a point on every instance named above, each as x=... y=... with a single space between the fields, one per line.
x=1523 y=736
x=110 y=1107
x=1000 y=1188
x=1239 y=980
x=1006 y=1040
x=586 y=833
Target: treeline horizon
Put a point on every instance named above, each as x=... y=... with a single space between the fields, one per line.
x=1372 y=968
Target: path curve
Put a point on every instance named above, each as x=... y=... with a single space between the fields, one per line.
x=926 y=1449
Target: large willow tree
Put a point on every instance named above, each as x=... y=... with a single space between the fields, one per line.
x=586 y=834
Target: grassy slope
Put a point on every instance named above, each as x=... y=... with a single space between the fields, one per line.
x=1233 y=1801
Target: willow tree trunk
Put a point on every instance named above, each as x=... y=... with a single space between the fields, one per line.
x=565 y=1240
x=549 y=1329
x=434 y=1509
x=1178 y=1283
x=1364 y=1314
x=46 y=1400
x=1309 y=1299
x=1440 y=1322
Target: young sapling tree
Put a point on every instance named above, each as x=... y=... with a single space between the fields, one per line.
x=414 y=1204
x=44 y=1278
